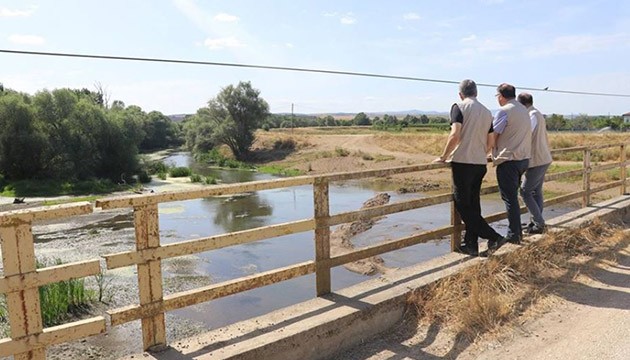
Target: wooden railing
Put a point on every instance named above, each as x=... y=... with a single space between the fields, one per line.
x=21 y=278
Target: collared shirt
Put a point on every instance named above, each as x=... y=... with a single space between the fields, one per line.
x=500 y=121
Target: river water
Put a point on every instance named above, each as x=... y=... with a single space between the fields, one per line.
x=191 y=219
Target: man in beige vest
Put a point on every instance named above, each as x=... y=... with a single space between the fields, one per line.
x=532 y=186
x=511 y=153
x=466 y=149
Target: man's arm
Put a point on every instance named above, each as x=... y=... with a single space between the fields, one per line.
x=498 y=125
x=451 y=142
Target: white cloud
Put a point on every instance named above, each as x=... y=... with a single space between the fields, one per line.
x=330 y=14
x=471 y=37
x=289 y=45
x=221 y=43
x=26 y=39
x=348 y=20
x=223 y=17
x=4 y=12
x=411 y=16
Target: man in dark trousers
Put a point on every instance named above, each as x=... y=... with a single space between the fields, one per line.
x=511 y=153
x=466 y=149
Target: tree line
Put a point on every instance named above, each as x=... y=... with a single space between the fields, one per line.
x=75 y=134
x=72 y=134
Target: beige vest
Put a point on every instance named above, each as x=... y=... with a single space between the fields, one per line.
x=515 y=143
x=474 y=135
x=540 y=143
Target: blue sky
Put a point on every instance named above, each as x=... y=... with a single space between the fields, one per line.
x=568 y=45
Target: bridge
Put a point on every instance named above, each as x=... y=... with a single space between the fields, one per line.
x=332 y=320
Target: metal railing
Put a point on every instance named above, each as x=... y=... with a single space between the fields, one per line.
x=21 y=279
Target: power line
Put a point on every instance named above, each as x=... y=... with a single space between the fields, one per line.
x=284 y=68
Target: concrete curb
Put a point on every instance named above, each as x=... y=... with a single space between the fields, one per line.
x=324 y=326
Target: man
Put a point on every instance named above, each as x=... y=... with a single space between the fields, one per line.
x=466 y=148
x=511 y=153
x=531 y=188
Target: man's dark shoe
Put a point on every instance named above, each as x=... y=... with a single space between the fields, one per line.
x=468 y=250
x=536 y=229
x=494 y=245
x=513 y=240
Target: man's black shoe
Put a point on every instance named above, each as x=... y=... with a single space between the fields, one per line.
x=468 y=250
x=494 y=245
x=513 y=240
x=536 y=229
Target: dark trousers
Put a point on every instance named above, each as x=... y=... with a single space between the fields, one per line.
x=466 y=186
x=509 y=176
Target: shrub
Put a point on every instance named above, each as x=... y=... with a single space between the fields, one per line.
x=341 y=152
x=144 y=177
x=161 y=176
x=180 y=171
x=210 y=180
x=196 y=178
x=156 y=167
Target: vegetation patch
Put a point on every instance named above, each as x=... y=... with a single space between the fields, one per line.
x=279 y=170
x=497 y=291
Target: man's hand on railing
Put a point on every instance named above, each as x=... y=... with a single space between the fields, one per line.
x=441 y=159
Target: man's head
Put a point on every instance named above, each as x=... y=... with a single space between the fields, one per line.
x=526 y=99
x=467 y=88
x=505 y=93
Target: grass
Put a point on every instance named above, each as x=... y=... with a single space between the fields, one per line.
x=91 y=198
x=499 y=290
x=30 y=188
x=279 y=170
x=62 y=299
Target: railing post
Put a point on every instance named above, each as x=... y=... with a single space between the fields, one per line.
x=146 y=223
x=322 y=235
x=623 y=174
x=18 y=256
x=586 y=178
x=456 y=222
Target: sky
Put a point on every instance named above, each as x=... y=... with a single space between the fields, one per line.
x=563 y=45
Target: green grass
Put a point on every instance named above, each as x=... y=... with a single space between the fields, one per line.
x=30 y=188
x=60 y=300
x=278 y=170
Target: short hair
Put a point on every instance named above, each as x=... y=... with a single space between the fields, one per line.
x=526 y=99
x=507 y=91
x=468 y=88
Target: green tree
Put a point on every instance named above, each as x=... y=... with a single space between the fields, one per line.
x=556 y=122
x=236 y=113
x=361 y=119
x=22 y=142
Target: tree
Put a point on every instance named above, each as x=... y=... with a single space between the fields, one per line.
x=556 y=122
x=361 y=119
x=231 y=119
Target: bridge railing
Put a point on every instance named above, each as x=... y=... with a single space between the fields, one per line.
x=21 y=279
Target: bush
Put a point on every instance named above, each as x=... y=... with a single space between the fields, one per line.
x=161 y=176
x=210 y=180
x=156 y=167
x=180 y=171
x=341 y=152
x=144 y=177
x=196 y=178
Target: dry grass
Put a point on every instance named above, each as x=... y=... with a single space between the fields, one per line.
x=432 y=144
x=497 y=291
